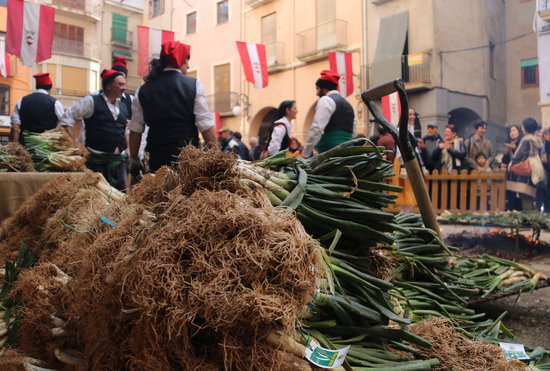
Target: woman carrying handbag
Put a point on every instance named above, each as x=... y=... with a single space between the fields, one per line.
x=524 y=172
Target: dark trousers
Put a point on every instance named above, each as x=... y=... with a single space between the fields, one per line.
x=117 y=178
x=165 y=156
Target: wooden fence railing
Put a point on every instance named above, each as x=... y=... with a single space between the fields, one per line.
x=463 y=191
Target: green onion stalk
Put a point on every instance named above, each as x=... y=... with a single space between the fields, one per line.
x=54 y=150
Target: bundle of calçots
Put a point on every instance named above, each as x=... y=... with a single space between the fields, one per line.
x=339 y=196
x=55 y=150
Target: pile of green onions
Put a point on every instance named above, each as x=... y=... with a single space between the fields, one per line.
x=54 y=150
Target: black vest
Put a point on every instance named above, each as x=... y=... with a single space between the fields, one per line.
x=167 y=104
x=127 y=100
x=342 y=118
x=37 y=112
x=103 y=132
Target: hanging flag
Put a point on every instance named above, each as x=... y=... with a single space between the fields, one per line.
x=149 y=43
x=391 y=109
x=4 y=59
x=254 y=62
x=340 y=63
x=218 y=121
x=30 y=31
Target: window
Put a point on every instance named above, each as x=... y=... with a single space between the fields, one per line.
x=119 y=30
x=4 y=100
x=191 y=23
x=223 y=11
x=530 y=73
x=74 y=81
x=269 y=38
x=68 y=39
x=156 y=8
x=222 y=88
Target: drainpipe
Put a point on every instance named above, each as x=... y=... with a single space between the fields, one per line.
x=365 y=82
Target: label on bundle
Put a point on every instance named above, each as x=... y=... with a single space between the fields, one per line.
x=514 y=351
x=325 y=358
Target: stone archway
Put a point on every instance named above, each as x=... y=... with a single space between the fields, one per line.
x=463 y=118
x=259 y=126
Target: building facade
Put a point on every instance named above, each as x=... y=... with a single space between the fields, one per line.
x=87 y=34
x=118 y=36
x=462 y=61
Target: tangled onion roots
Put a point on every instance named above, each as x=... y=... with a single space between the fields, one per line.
x=208 y=169
x=457 y=352
x=18 y=159
x=205 y=284
x=44 y=289
x=153 y=191
x=27 y=223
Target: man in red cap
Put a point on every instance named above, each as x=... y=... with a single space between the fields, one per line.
x=174 y=107
x=105 y=118
x=36 y=112
x=120 y=64
x=334 y=120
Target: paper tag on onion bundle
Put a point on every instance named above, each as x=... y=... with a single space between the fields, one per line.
x=325 y=358
x=514 y=351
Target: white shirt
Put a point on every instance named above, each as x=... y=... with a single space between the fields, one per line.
x=203 y=117
x=323 y=111
x=278 y=135
x=16 y=119
x=84 y=109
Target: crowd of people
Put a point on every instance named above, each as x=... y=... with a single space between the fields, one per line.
x=143 y=132
x=527 y=185
x=169 y=111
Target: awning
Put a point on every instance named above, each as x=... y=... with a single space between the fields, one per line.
x=389 y=50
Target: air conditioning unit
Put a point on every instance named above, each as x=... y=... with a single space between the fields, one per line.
x=255 y=3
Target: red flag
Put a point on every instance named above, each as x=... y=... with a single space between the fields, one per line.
x=218 y=122
x=341 y=63
x=30 y=31
x=254 y=62
x=391 y=108
x=149 y=43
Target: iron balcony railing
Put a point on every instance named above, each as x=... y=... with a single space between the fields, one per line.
x=90 y=8
x=326 y=36
x=222 y=102
x=416 y=67
x=74 y=48
x=275 y=53
x=121 y=36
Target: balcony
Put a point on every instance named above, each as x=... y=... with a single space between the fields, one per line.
x=315 y=42
x=121 y=37
x=256 y=3
x=223 y=102
x=88 y=8
x=275 y=53
x=416 y=71
x=74 y=48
